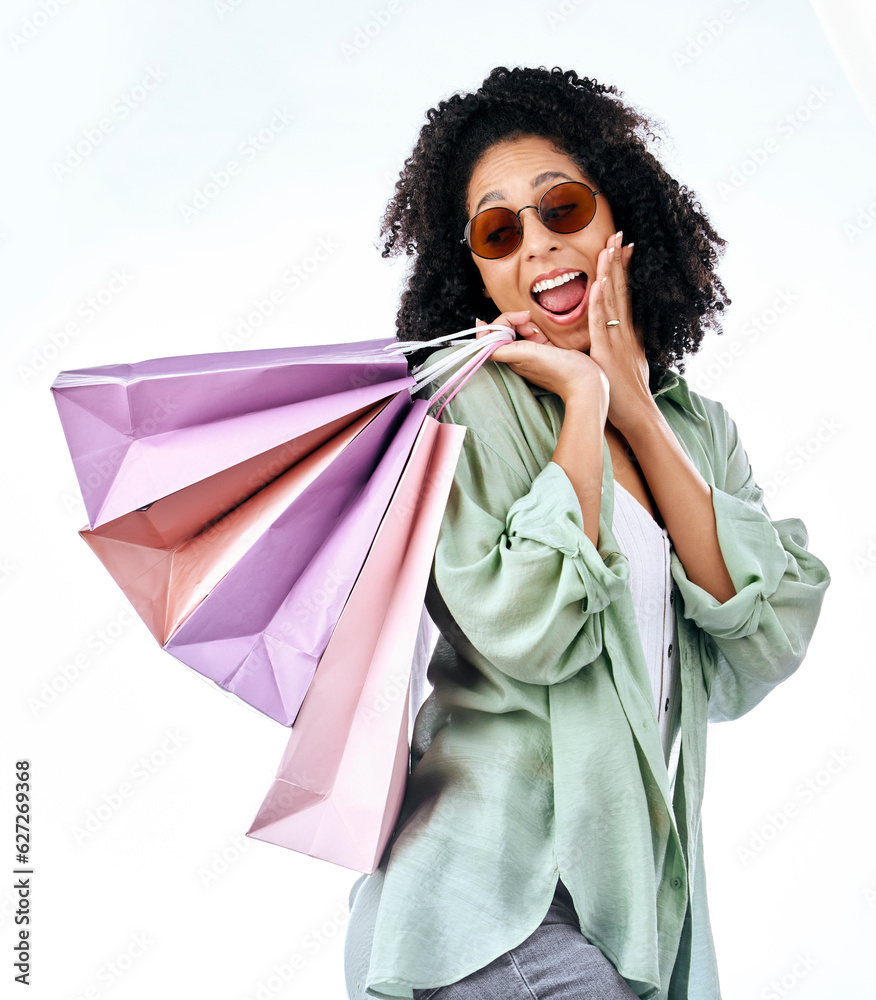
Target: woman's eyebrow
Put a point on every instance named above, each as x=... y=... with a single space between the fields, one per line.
x=547 y=175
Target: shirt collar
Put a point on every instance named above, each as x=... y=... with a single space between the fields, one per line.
x=675 y=387
x=662 y=381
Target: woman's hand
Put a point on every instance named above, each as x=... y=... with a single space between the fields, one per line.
x=566 y=373
x=584 y=389
x=619 y=350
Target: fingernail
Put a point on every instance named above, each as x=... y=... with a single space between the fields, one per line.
x=618 y=236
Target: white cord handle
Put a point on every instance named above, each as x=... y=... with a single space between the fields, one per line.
x=410 y=346
x=468 y=349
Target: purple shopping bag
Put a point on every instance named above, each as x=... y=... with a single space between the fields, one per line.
x=262 y=629
x=140 y=432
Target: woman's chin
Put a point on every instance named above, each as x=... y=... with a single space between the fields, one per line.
x=570 y=340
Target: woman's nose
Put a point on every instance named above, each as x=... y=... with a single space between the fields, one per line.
x=537 y=238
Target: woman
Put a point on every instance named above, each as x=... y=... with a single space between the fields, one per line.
x=606 y=581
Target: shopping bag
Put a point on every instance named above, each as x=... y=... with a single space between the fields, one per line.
x=340 y=783
x=169 y=555
x=249 y=599
x=270 y=618
x=226 y=491
x=140 y=432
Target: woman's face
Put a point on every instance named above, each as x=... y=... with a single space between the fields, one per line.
x=515 y=173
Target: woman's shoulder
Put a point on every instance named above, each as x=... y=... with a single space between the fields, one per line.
x=702 y=412
x=704 y=427
x=507 y=418
x=498 y=405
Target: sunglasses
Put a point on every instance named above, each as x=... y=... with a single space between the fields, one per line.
x=497 y=232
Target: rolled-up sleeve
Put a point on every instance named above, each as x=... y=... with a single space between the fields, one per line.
x=520 y=577
x=758 y=637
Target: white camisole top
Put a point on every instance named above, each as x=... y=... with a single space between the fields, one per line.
x=647 y=547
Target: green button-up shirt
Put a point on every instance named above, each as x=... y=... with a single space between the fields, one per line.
x=537 y=755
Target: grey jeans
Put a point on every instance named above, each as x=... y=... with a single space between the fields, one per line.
x=556 y=962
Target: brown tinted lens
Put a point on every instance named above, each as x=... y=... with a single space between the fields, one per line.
x=494 y=233
x=567 y=208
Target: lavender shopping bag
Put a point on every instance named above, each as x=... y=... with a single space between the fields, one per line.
x=140 y=432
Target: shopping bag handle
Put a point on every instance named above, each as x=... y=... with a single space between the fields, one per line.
x=477 y=351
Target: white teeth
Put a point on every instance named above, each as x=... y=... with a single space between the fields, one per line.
x=543 y=286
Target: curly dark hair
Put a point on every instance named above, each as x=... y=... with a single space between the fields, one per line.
x=675 y=291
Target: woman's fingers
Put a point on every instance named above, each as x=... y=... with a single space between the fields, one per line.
x=513 y=319
x=610 y=298
x=537 y=336
x=596 y=312
x=527 y=332
x=617 y=268
x=613 y=289
x=519 y=321
x=617 y=349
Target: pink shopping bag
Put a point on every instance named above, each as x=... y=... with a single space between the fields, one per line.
x=340 y=783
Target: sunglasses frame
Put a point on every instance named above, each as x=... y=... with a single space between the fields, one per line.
x=467 y=238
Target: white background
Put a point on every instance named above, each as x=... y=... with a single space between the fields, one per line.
x=799 y=910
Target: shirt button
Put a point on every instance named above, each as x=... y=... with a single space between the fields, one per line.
x=666 y=706
x=676 y=883
x=670 y=649
x=672 y=597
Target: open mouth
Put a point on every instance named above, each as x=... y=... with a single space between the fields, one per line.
x=562 y=295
